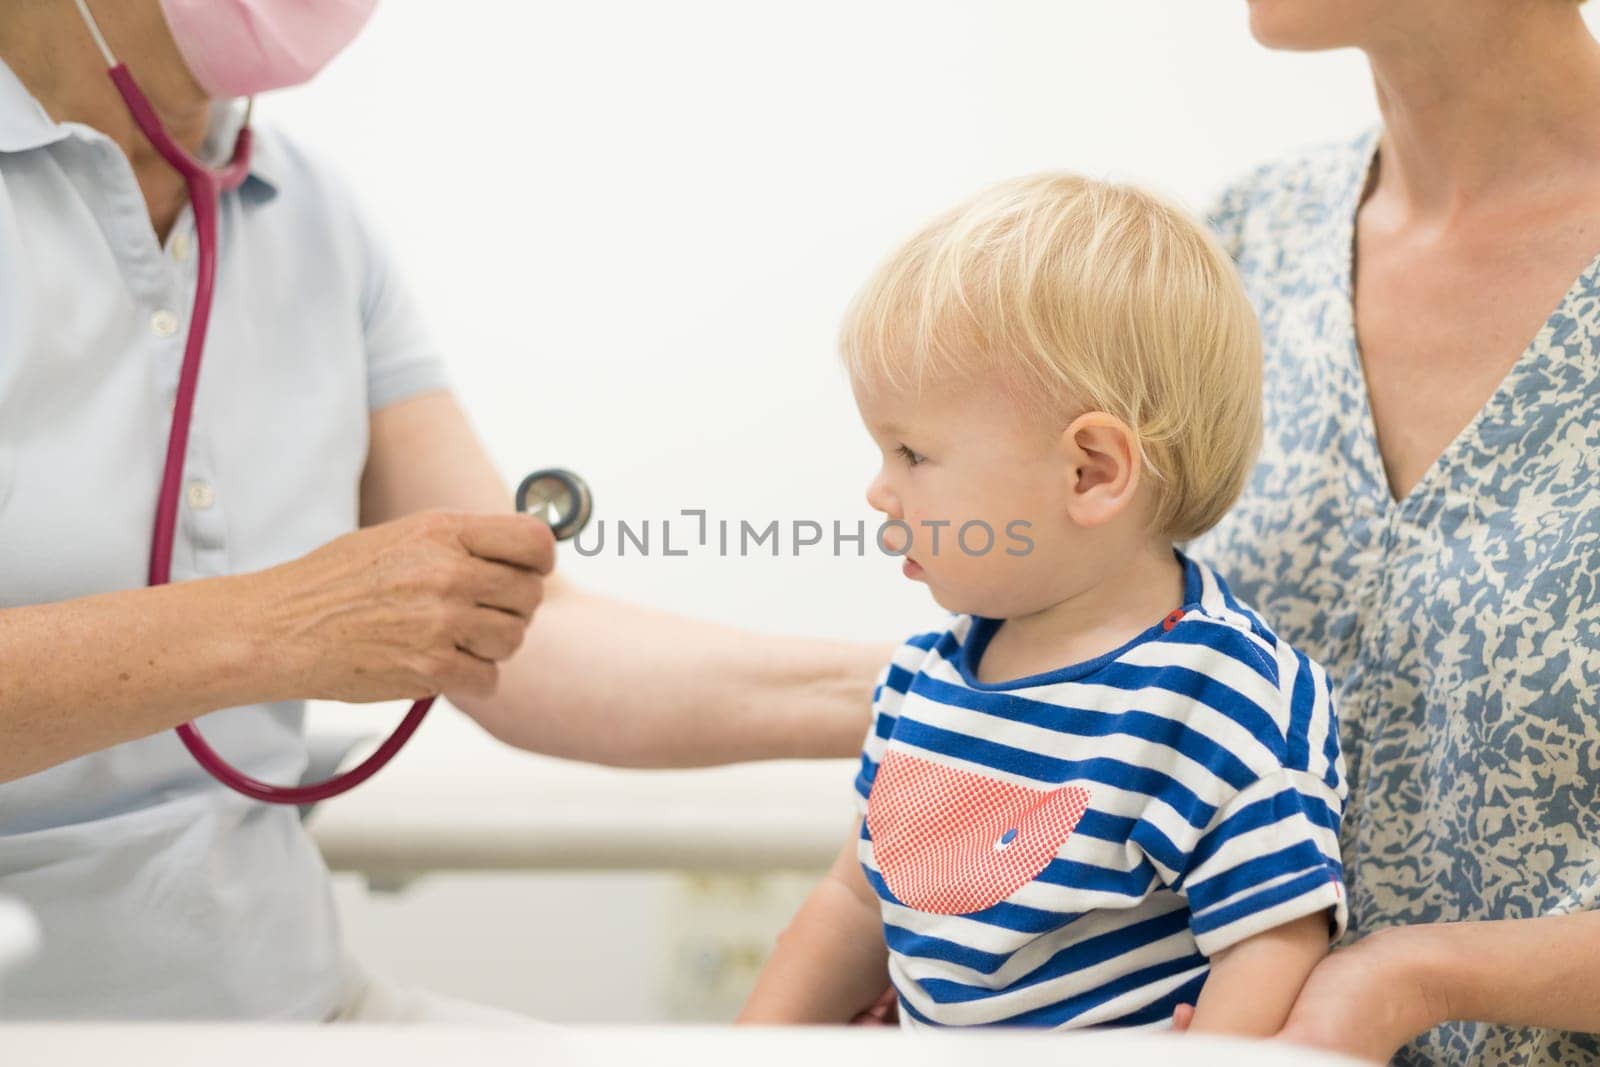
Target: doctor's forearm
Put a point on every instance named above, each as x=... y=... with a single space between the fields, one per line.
x=80 y=675
x=610 y=682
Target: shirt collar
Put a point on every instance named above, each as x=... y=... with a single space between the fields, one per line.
x=23 y=121
x=1363 y=147
x=25 y=125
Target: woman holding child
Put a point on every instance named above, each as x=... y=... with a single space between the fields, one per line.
x=1425 y=517
x=1423 y=521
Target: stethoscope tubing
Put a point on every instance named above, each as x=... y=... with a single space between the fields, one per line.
x=205 y=191
x=206 y=186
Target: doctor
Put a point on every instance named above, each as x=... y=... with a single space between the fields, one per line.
x=342 y=534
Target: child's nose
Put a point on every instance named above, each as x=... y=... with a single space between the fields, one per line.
x=879 y=498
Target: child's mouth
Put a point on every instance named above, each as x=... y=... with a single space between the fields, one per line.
x=911 y=568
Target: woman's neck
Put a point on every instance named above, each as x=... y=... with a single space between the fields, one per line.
x=49 y=49
x=1475 y=105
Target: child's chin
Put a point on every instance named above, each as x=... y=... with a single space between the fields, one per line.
x=955 y=603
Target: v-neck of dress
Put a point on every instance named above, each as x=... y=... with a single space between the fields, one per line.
x=1499 y=402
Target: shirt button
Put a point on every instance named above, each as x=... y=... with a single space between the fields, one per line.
x=164 y=323
x=200 y=495
x=181 y=246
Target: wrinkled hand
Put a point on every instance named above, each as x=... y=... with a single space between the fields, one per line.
x=1364 y=1001
x=407 y=609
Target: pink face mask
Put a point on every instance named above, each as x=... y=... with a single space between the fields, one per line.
x=244 y=47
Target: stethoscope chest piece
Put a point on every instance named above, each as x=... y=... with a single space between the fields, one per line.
x=559 y=497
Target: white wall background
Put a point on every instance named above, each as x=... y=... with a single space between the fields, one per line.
x=633 y=226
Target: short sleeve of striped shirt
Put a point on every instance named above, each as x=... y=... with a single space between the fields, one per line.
x=887 y=693
x=1262 y=863
x=1269 y=854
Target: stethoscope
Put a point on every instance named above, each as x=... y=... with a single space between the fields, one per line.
x=557 y=496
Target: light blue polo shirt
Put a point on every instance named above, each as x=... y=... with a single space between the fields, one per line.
x=161 y=894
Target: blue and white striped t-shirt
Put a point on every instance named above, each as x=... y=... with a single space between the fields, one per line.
x=1068 y=849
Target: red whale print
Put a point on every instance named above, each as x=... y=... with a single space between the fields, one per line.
x=951 y=842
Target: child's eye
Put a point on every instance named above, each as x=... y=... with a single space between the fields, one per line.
x=908 y=455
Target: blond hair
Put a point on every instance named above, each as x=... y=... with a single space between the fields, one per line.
x=1075 y=295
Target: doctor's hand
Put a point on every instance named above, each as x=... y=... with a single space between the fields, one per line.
x=406 y=609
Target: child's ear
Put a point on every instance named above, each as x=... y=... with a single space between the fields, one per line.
x=1102 y=468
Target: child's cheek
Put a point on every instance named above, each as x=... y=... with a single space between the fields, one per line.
x=915 y=535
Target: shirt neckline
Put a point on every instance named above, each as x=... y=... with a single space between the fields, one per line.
x=25 y=125
x=983 y=629
x=1347 y=208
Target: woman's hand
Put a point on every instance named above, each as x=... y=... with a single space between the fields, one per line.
x=1366 y=1000
x=411 y=608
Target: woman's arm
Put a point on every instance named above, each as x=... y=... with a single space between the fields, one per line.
x=1542 y=972
x=1253 y=984
x=611 y=682
x=405 y=609
x=831 y=962
x=85 y=674
x=1371 y=998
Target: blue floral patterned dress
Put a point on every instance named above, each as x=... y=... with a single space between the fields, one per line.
x=1461 y=625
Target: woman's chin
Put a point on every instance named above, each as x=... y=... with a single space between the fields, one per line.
x=1298 y=26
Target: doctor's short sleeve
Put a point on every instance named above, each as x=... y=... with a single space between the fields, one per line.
x=402 y=358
